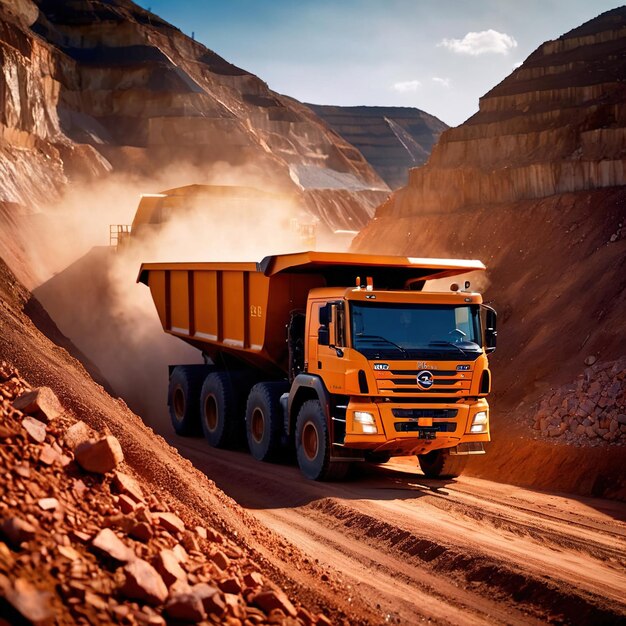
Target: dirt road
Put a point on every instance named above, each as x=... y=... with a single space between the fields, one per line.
x=409 y=549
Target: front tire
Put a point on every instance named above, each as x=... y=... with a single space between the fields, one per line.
x=265 y=420
x=313 y=445
x=442 y=464
x=183 y=399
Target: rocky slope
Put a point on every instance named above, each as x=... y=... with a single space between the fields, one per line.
x=89 y=89
x=534 y=184
x=392 y=139
x=101 y=520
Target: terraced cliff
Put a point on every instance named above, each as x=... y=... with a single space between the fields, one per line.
x=91 y=89
x=392 y=139
x=534 y=184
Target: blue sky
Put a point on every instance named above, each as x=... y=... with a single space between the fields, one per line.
x=437 y=55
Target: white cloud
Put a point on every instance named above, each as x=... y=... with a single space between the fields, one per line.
x=485 y=42
x=444 y=82
x=407 y=86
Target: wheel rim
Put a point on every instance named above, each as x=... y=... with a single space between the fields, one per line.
x=257 y=425
x=310 y=441
x=179 y=403
x=210 y=413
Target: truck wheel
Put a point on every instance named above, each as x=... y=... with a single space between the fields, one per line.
x=183 y=399
x=265 y=420
x=218 y=410
x=313 y=445
x=442 y=464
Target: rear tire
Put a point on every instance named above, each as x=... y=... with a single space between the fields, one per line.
x=183 y=399
x=442 y=464
x=313 y=445
x=218 y=410
x=265 y=422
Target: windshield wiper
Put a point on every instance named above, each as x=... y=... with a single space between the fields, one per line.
x=380 y=338
x=447 y=343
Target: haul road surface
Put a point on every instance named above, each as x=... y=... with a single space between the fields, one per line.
x=462 y=551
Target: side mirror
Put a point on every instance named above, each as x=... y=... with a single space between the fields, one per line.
x=491 y=333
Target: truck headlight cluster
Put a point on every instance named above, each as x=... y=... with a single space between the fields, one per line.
x=367 y=422
x=479 y=423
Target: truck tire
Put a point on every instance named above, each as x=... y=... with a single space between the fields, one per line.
x=218 y=410
x=313 y=445
x=183 y=399
x=442 y=464
x=265 y=420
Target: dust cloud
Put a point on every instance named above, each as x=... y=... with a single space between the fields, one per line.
x=90 y=288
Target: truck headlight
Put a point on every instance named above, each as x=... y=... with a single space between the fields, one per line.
x=479 y=423
x=367 y=422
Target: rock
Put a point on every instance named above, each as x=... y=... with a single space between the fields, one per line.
x=220 y=559
x=126 y=504
x=210 y=597
x=17 y=530
x=69 y=553
x=214 y=536
x=180 y=553
x=230 y=585
x=590 y=360
x=127 y=485
x=41 y=403
x=587 y=406
x=305 y=617
x=108 y=542
x=270 y=599
x=141 y=531
x=187 y=607
x=143 y=582
x=253 y=579
x=621 y=418
x=169 y=521
x=76 y=434
x=201 y=532
x=190 y=541
x=48 y=504
x=48 y=455
x=168 y=566
x=99 y=456
x=36 y=430
x=31 y=603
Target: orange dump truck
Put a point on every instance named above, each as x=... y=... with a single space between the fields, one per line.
x=343 y=355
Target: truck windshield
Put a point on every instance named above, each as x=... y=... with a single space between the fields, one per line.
x=403 y=331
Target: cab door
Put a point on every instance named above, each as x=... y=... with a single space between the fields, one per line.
x=326 y=343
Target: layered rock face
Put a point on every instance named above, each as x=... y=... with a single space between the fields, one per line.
x=556 y=124
x=534 y=184
x=90 y=88
x=392 y=139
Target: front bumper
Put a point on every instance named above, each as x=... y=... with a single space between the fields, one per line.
x=404 y=428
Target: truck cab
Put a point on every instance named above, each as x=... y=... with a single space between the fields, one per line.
x=406 y=374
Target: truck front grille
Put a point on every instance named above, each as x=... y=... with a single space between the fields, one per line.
x=411 y=427
x=416 y=413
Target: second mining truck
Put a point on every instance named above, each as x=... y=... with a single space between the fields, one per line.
x=343 y=355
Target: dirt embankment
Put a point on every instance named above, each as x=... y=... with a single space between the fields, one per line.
x=174 y=482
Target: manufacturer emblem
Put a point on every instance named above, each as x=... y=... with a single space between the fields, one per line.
x=425 y=379
x=462 y=368
x=381 y=366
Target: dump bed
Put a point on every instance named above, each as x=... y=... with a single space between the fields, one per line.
x=242 y=308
